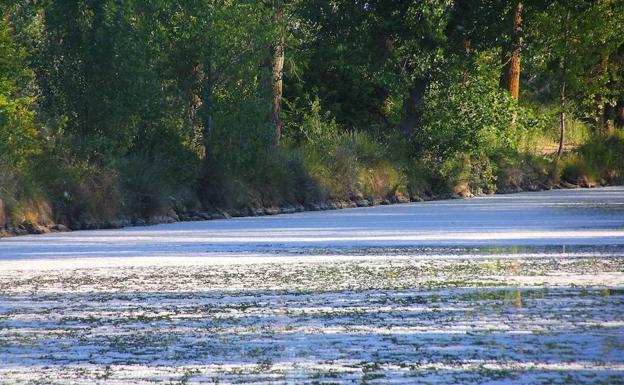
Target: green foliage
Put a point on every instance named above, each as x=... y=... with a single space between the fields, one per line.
x=575 y=170
x=134 y=108
x=347 y=164
x=18 y=133
x=604 y=155
x=93 y=76
x=521 y=171
x=356 y=57
x=463 y=174
x=466 y=112
x=19 y=137
x=575 y=43
x=314 y=127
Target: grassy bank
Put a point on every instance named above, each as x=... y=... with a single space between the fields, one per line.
x=350 y=170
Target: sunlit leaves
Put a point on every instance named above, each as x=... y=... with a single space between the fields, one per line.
x=18 y=133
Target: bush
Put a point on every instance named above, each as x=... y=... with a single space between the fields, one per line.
x=352 y=165
x=422 y=181
x=280 y=177
x=470 y=114
x=366 y=150
x=19 y=138
x=152 y=182
x=380 y=181
x=80 y=192
x=604 y=155
x=576 y=170
x=96 y=198
x=520 y=171
x=468 y=174
x=222 y=188
x=144 y=190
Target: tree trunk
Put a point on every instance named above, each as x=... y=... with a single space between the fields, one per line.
x=562 y=121
x=3 y=221
x=510 y=79
x=207 y=93
x=605 y=112
x=412 y=108
x=193 y=115
x=564 y=77
x=277 y=73
x=207 y=96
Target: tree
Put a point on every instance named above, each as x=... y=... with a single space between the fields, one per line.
x=510 y=79
x=18 y=133
x=277 y=69
x=360 y=56
x=92 y=73
x=572 y=43
x=415 y=44
x=341 y=51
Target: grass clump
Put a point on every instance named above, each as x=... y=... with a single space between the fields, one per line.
x=604 y=156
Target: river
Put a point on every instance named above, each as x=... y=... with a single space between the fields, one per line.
x=508 y=289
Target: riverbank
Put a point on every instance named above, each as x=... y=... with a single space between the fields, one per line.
x=45 y=225
x=557 y=217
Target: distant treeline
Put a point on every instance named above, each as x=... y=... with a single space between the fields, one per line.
x=134 y=109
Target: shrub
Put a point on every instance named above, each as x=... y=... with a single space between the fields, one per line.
x=605 y=156
x=96 y=197
x=80 y=192
x=19 y=138
x=576 y=170
x=144 y=190
x=351 y=165
x=421 y=181
x=520 y=171
x=280 y=177
x=365 y=149
x=381 y=180
x=467 y=174
x=470 y=114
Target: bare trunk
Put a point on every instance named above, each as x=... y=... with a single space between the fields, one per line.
x=207 y=90
x=208 y=99
x=562 y=121
x=605 y=112
x=412 y=108
x=562 y=95
x=277 y=82
x=3 y=220
x=277 y=73
x=510 y=80
x=194 y=113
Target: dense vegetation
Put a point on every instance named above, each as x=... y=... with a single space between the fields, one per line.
x=135 y=109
